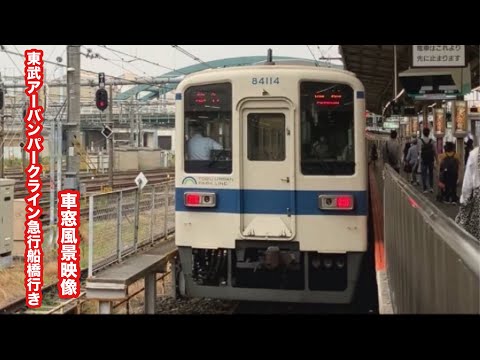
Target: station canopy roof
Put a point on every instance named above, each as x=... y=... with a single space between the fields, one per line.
x=374 y=66
x=152 y=91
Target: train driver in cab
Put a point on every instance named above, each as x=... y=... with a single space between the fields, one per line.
x=320 y=148
x=200 y=146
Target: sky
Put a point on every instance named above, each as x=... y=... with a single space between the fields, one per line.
x=164 y=55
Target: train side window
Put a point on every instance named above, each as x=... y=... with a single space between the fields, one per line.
x=266 y=137
x=327 y=129
x=208 y=129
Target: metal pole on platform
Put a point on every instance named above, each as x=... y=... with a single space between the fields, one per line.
x=165 y=218
x=394 y=71
x=152 y=213
x=119 y=226
x=138 y=196
x=90 y=236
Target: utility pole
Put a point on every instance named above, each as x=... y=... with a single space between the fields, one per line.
x=51 y=150
x=132 y=126
x=139 y=127
x=73 y=132
x=110 y=141
x=2 y=128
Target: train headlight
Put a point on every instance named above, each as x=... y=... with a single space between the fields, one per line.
x=340 y=263
x=199 y=199
x=327 y=262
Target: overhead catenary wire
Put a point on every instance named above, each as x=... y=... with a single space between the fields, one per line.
x=127 y=62
x=141 y=59
x=190 y=55
x=13 y=62
x=111 y=61
x=313 y=55
x=92 y=56
x=133 y=82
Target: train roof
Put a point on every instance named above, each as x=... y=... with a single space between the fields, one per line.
x=287 y=64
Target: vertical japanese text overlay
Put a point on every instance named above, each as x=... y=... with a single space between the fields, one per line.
x=33 y=146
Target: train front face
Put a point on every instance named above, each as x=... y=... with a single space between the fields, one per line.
x=271 y=184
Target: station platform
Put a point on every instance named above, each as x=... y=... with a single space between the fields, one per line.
x=112 y=283
x=409 y=227
x=385 y=305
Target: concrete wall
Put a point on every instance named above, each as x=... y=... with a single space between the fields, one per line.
x=141 y=159
x=149 y=159
x=18 y=248
x=126 y=159
x=100 y=161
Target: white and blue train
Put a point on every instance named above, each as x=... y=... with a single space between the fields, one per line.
x=271 y=183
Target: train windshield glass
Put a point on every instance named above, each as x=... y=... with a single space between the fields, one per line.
x=327 y=136
x=266 y=137
x=208 y=129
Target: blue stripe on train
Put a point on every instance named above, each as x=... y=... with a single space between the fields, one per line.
x=272 y=202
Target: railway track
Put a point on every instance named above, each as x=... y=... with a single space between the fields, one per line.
x=18 y=173
x=95 y=182
x=121 y=181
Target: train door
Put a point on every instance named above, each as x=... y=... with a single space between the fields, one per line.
x=267 y=198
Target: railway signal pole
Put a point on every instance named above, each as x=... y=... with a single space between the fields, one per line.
x=110 y=140
x=104 y=101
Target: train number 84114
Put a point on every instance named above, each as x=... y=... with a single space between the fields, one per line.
x=265 y=81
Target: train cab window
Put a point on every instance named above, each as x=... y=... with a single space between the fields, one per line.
x=327 y=129
x=266 y=137
x=208 y=129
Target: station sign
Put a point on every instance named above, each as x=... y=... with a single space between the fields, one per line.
x=438 y=56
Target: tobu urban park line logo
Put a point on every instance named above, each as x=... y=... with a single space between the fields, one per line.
x=189 y=181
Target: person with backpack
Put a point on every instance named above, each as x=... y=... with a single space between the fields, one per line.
x=391 y=151
x=428 y=155
x=448 y=176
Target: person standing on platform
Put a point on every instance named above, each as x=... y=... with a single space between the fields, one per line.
x=468 y=148
x=428 y=156
x=448 y=175
x=391 y=151
x=412 y=160
x=468 y=216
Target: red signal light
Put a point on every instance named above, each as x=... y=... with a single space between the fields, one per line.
x=344 y=202
x=101 y=99
x=192 y=199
